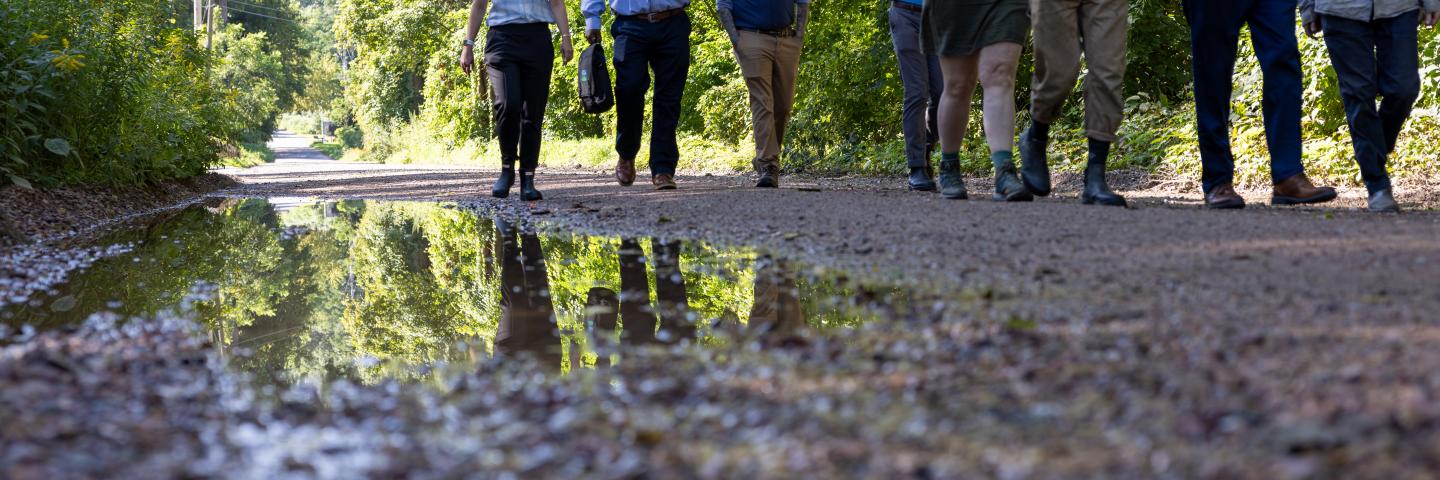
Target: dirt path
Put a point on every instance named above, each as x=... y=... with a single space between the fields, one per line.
x=1044 y=340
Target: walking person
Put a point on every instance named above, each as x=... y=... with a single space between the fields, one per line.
x=920 y=77
x=650 y=36
x=767 y=36
x=978 y=41
x=1064 y=30
x=1374 y=46
x=519 y=57
x=1214 y=38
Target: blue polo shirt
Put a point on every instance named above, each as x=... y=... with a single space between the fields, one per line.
x=918 y=3
x=762 y=14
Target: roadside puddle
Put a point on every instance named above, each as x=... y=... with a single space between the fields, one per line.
x=299 y=291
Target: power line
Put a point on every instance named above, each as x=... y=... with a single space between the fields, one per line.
x=233 y=9
x=262 y=7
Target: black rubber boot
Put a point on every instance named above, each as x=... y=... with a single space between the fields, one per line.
x=1034 y=165
x=503 y=184
x=527 y=187
x=1097 y=191
x=920 y=180
x=952 y=184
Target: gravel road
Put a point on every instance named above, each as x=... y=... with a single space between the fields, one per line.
x=1064 y=340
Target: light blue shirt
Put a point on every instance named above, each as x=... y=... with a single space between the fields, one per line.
x=592 y=9
x=505 y=12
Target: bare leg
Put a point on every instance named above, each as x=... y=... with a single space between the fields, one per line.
x=997 y=76
x=960 y=78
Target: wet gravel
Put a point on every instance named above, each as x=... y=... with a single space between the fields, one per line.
x=1051 y=340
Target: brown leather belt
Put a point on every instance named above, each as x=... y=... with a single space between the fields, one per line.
x=655 y=17
x=906 y=6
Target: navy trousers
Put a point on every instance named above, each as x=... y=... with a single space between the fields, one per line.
x=519 y=59
x=643 y=47
x=1214 y=40
x=1375 y=59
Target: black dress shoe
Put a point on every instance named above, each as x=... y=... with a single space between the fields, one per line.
x=527 y=188
x=503 y=184
x=1034 y=166
x=920 y=180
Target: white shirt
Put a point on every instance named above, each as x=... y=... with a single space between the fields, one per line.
x=505 y=12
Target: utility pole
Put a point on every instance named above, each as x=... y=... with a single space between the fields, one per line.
x=199 y=11
x=209 y=23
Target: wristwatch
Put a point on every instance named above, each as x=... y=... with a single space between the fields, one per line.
x=468 y=43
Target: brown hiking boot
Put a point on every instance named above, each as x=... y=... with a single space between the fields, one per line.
x=1223 y=197
x=664 y=181
x=625 y=171
x=1298 y=190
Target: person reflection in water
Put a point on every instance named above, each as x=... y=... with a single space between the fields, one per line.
x=776 y=316
x=640 y=320
x=527 y=314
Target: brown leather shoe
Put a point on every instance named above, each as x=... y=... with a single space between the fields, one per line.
x=1223 y=197
x=664 y=181
x=625 y=172
x=1298 y=190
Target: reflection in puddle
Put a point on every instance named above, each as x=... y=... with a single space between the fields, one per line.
x=316 y=291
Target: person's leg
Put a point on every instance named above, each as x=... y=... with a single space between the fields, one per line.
x=632 y=80
x=1214 y=41
x=1397 y=46
x=636 y=317
x=932 y=114
x=915 y=79
x=997 y=78
x=1272 y=30
x=1105 y=24
x=757 y=63
x=507 y=104
x=961 y=75
x=1352 y=52
x=671 y=63
x=1056 y=27
x=672 y=305
x=535 y=71
x=787 y=68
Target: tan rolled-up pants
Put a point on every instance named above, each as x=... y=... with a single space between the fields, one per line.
x=1064 y=29
x=770 y=65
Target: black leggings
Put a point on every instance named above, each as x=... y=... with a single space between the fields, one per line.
x=519 y=59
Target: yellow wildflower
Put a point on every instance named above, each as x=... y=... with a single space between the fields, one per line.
x=36 y=38
x=68 y=62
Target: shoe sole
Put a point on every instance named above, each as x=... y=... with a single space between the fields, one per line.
x=499 y=194
x=1017 y=197
x=963 y=196
x=535 y=199
x=665 y=187
x=1091 y=201
x=1383 y=210
x=1303 y=201
x=1225 y=206
x=922 y=189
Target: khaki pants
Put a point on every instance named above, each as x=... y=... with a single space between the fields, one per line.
x=1065 y=28
x=770 y=65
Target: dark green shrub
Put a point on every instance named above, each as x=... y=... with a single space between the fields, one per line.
x=350 y=137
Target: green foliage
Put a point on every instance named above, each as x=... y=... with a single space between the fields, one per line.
x=350 y=137
x=332 y=150
x=104 y=92
x=301 y=123
x=251 y=72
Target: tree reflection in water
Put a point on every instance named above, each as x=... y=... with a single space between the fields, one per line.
x=363 y=290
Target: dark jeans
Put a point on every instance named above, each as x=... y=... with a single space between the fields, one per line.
x=1375 y=59
x=1214 y=39
x=519 y=59
x=642 y=47
x=920 y=76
